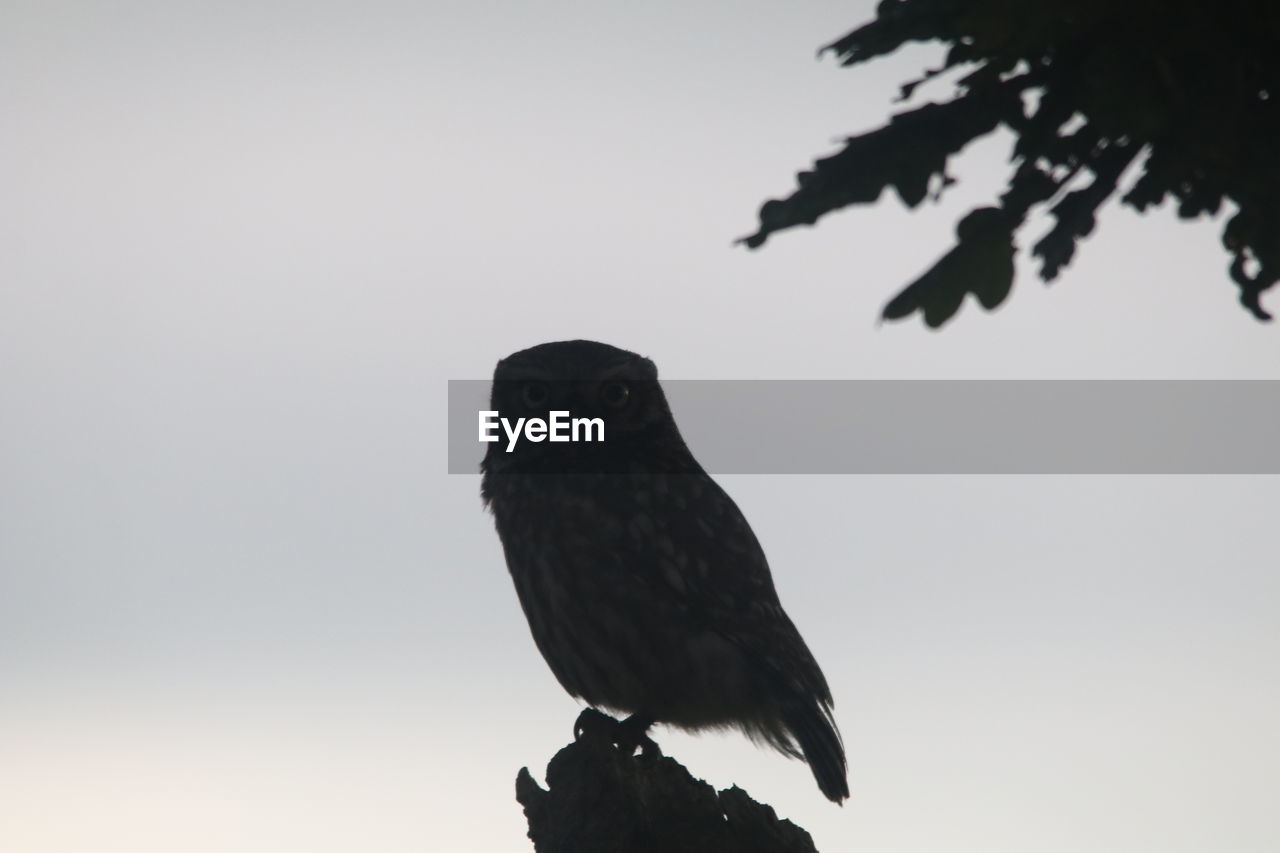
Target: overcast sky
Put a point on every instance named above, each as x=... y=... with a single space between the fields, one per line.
x=243 y=607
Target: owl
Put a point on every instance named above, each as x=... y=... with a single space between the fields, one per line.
x=644 y=587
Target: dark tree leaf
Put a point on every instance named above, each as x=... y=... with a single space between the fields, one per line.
x=905 y=154
x=981 y=263
x=1076 y=212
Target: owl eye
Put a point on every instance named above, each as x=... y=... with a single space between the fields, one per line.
x=615 y=394
x=535 y=394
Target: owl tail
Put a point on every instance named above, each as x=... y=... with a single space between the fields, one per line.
x=814 y=729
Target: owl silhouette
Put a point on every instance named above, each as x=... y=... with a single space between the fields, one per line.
x=644 y=587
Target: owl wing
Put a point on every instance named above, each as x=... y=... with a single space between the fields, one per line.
x=691 y=547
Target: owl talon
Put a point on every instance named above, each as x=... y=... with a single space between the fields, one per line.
x=628 y=735
x=649 y=748
x=595 y=724
x=633 y=733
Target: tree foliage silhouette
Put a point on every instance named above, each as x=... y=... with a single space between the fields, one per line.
x=1189 y=89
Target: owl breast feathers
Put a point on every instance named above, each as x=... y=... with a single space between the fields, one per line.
x=644 y=587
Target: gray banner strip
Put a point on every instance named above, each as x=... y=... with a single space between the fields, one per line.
x=952 y=427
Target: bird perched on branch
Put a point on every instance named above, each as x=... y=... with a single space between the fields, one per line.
x=645 y=588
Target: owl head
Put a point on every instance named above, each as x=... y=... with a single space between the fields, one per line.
x=591 y=381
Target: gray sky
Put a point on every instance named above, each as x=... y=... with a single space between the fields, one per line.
x=244 y=608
